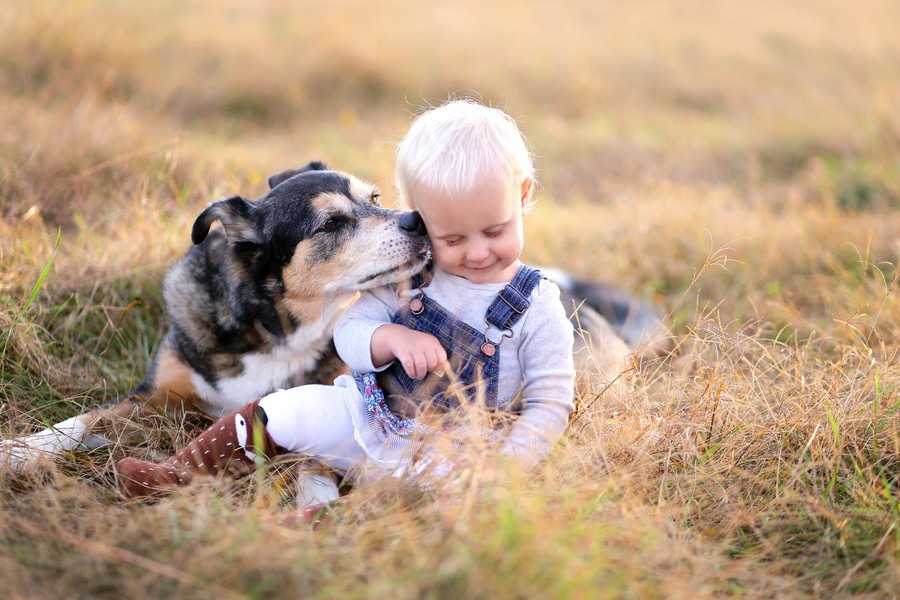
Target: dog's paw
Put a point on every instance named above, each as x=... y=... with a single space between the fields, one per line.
x=315 y=488
x=18 y=455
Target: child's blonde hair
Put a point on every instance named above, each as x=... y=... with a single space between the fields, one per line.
x=449 y=147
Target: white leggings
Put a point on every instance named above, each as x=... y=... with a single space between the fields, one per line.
x=314 y=420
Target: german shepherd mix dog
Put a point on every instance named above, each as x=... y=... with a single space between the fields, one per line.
x=253 y=304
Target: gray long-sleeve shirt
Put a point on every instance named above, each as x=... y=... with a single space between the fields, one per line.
x=535 y=363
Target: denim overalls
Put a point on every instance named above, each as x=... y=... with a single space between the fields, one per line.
x=473 y=355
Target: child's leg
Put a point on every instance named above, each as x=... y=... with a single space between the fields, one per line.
x=312 y=420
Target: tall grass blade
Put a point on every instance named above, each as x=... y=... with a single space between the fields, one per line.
x=41 y=279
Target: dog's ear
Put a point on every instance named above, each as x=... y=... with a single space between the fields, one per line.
x=236 y=215
x=285 y=175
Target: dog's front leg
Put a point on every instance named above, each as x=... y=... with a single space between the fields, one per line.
x=83 y=432
x=67 y=435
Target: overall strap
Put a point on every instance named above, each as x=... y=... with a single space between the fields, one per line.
x=512 y=300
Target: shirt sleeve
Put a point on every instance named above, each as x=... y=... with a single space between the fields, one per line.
x=353 y=333
x=548 y=391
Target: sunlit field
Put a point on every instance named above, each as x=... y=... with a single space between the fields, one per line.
x=738 y=164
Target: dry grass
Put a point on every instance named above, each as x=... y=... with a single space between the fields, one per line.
x=737 y=164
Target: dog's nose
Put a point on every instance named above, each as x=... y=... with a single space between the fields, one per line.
x=412 y=222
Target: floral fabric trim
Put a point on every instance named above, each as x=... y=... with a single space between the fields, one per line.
x=377 y=406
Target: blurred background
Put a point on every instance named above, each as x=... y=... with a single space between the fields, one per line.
x=775 y=104
x=737 y=163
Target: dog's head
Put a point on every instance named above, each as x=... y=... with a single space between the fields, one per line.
x=317 y=232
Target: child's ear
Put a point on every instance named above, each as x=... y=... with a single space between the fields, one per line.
x=526 y=190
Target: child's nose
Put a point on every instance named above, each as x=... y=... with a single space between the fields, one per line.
x=476 y=251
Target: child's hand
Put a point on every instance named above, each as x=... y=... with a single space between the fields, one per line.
x=419 y=353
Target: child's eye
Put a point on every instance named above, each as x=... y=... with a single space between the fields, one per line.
x=494 y=233
x=453 y=242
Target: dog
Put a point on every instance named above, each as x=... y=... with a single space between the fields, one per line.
x=252 y=305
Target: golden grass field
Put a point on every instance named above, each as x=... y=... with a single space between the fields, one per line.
x=737 y=163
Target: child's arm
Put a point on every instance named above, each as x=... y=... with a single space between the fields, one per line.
x=353 y=333
x=367 y=341
x=549 y=387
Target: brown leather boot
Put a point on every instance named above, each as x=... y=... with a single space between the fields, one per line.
x=232 y=446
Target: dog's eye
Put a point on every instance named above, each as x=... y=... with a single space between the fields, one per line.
x=331 y=224
x=376 y=199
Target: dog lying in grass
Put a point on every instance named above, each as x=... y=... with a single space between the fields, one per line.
x=252 y=305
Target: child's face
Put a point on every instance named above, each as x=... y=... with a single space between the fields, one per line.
x=478 y=236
